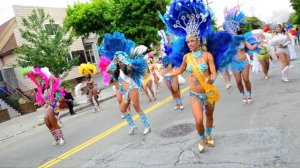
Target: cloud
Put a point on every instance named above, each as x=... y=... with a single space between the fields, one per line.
x=281 y=16
x=269 y=11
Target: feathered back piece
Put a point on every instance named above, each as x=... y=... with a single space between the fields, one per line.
x=103 y=65
x=138 y=51
x=38 y=76
x=116 y=45
x=44 y=80
x=188 y=18
x=113 y=43
x=139 y=65
x=233 y=19
x=137 y=62
x=223 y=46
x=175 y=52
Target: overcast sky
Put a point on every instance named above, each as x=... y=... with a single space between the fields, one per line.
x=275 y=11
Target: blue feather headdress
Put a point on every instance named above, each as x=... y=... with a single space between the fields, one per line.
x=116 y=45
x=191 y=18
x=188 y=18
x=233 y=19
x=113 y=43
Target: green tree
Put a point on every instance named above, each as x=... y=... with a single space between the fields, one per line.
x=47 y=44
x=252 y=23
x=294 y=18
x=93 y=17
x=296 y=5
x=138 y=20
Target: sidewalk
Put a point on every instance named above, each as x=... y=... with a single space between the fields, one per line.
x=24 y=123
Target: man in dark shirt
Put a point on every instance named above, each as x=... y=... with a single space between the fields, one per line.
x=69 y=100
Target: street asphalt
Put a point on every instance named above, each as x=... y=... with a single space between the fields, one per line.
x=262 y=134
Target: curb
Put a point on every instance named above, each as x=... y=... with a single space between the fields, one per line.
x=63 y=114
x=66 y=113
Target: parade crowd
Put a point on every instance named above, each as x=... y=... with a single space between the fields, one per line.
x=188 y=46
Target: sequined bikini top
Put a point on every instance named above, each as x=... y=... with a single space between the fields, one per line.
x=203 y=67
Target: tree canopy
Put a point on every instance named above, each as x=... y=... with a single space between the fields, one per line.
x=295 y=17
x=47 y=44
x=252 y=23
x=138 y=20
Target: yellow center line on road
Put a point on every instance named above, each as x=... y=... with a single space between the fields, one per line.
x=104 y=134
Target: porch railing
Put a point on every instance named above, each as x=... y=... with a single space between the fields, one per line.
x=11 y=95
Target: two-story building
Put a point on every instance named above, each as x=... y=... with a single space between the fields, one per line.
x=10 y=38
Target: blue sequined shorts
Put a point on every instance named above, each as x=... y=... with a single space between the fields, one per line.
x=201 y=97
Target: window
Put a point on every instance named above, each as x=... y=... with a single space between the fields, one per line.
x=1 y=78
x=89 y=53
x=52 y=29
x=80 y=55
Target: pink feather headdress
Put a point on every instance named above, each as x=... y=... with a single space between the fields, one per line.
x=103 y=64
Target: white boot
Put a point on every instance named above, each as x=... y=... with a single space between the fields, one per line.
x=61 y=141
x=95 y=109
x=284 y=73
x=132 y=130
x=147 y=130
x=55 y=143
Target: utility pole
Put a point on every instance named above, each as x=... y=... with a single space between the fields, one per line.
x=207 y=3
x=238 y=4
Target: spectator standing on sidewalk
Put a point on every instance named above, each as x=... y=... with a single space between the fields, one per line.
x=298 y=34
x=69 y=99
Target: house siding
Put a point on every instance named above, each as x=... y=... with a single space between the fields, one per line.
x=9 y=60
x=58 y=14
x=74 y=73
x=77 y=45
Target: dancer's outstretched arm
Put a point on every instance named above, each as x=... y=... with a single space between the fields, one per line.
x=180 y=70
x=249 y=46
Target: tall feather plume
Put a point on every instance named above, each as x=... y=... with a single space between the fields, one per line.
x=188 y=17
x=113 y=43
x=139 y=65
x=233 y=19
x=139 y=50
x=177 y=51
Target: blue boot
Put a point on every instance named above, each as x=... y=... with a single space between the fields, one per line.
x=146 y=123
x=128 y=118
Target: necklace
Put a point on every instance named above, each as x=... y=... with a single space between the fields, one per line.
x=197 y=53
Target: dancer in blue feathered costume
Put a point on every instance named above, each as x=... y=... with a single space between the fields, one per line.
x=240 y=65
x=209 y=52
x=128 y=66
x=172 y=60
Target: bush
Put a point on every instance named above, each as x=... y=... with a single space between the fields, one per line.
x=67 y=85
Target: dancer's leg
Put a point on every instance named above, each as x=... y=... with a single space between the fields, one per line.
x=197 y=110
x=246 y=79
x=285 y=62
x=238 y=79
x=209 y=125
x=134 y=97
